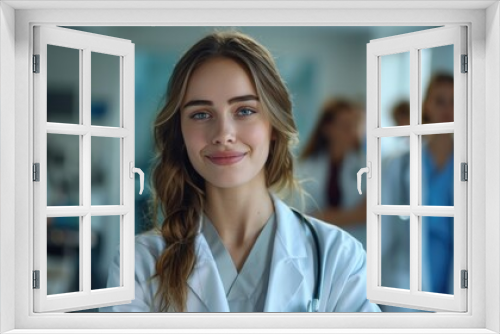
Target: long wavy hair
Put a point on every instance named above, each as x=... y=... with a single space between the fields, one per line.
x=317 y=142
x=178 y=190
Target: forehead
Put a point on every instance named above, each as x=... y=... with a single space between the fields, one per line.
x=219 y=77
x=347 y=115
x=442 y=87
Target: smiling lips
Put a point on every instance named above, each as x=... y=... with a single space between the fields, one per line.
x=226 y=157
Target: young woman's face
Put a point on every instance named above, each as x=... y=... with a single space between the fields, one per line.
x=439 y=105
x=343 y=131
x=226 y=132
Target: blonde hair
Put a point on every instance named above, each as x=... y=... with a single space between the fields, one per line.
x=178 y=189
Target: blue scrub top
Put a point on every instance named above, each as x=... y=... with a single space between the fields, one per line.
x=437 y=189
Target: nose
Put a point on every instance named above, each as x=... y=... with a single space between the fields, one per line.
x=224 y=132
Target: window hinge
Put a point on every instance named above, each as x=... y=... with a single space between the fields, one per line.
x=465 y=171
x=36 y=63
x=465 y=64
x=465 y=279
x=36 y=172
x=36 y=279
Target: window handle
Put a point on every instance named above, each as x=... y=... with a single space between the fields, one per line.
x=133 y=170
x=367 y=170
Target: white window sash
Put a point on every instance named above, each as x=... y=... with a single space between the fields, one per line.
x=414 y=297
x=86 y=43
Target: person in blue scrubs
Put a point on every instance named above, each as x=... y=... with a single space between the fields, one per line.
x=437 y=187
x=437 y=190
x=227 y=242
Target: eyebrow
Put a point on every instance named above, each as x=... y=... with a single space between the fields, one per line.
x=242 y=98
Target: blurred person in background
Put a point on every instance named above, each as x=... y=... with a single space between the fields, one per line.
x=437 y=190
x=401 y=113
x=396 y=191
x=332 y=157
x=437 y=186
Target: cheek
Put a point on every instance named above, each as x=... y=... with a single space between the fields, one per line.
x=257 y=136
x=194 y=140
x=339 y=131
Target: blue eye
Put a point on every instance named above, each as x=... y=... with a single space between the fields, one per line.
x=200 y=115
x=245 y=112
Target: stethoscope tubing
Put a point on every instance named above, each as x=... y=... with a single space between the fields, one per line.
x=313 y=305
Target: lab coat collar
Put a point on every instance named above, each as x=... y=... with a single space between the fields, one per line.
x=289 y=230
x=205 y=282
x=285 y=275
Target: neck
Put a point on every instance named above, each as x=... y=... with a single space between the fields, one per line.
x=441 y=147
x=239 y=213
x=441 y=144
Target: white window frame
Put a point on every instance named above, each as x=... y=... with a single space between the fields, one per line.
x=483 y=21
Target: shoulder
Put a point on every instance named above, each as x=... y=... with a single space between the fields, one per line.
x=335 y=240
x=341 y=253
x=148 y=247
x=291 y=227
x=344 y=269
x=150 y=242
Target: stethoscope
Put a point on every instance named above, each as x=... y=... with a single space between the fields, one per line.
x=313 y=305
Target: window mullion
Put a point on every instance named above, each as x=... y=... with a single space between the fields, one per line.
x=85 y=228
x=415 y=261
x=433 y=211
x=434 y=128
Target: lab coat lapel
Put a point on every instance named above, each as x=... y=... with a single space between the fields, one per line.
x=286 y=275
x=205 y=283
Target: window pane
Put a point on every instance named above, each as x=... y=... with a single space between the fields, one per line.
x=105 y=105
x=105 y=172
x=63 y=170
x=395 y=170
x=437 y=170
x=437 y=254
x=63 y=255
x=394 y=89
x=105 y=247
x=395 y=251
x=63 y=85
x=437 y=84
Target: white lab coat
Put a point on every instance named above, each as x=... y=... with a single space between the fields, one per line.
x=315 y=172
x=292 y=275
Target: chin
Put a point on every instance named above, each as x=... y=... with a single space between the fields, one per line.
x=228 y=183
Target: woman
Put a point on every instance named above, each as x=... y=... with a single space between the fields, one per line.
x=333 y=156
x=437 y=189
x=437 y=186
x=227 y=241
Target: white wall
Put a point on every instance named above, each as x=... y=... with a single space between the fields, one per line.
x=492 y=163
x=7 y=167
